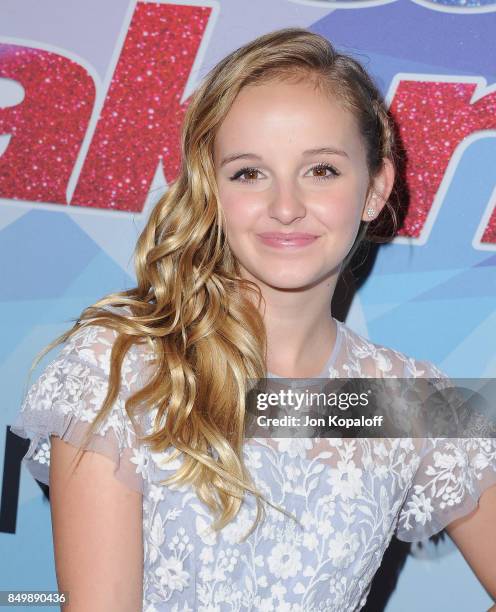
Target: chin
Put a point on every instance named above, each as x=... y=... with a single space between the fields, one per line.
x=287 y=281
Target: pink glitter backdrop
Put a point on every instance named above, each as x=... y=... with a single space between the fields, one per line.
x=140 y=120
x=142 y=114
x=434 y=118
x=47 y=127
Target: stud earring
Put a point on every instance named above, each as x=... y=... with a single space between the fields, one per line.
x=371 y=209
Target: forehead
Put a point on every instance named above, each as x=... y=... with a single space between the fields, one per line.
x=290 y=114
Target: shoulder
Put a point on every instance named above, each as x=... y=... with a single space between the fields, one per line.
x=68 y=397
x=93 y=342
x=377 y=360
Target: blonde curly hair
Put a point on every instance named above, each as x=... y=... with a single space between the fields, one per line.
x=190 y=304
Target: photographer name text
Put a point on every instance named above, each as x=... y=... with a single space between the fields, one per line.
x=329 y=421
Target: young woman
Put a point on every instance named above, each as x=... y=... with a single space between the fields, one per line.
x=288 y=155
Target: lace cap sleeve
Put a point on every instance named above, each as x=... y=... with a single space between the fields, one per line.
x=451 y=477
x=66 y=398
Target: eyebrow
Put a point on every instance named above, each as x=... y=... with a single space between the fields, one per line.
x=318 y=151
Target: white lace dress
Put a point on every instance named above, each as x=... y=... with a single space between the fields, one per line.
x=350 y=495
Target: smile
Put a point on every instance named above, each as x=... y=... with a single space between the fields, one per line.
x=284 y=243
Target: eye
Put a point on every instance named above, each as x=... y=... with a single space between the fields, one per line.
x=324 y=167
x=243 y=171
x=253 y=171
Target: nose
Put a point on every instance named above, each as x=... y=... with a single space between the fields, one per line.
x=286 y=204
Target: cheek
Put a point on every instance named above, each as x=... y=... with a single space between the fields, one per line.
x=240 y=209
x=339 y=208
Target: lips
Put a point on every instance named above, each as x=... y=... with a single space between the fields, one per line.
x=282 y=240
x=287 y=236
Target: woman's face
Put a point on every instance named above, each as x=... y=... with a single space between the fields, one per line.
x=280 y=185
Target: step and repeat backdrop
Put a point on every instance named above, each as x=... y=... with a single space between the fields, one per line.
x=92 y=96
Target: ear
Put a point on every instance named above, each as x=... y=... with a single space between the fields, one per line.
x=379 y=191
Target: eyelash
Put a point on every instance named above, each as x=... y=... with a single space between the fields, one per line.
x=321 y=166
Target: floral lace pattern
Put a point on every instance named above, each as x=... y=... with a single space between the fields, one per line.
x=349 y=495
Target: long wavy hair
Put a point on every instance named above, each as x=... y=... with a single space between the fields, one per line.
x=190 y=303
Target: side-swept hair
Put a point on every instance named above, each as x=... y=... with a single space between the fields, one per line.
x=190 y=303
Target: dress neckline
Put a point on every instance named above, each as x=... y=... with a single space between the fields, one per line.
x=332 y=357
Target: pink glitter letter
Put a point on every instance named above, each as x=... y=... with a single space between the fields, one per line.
x=434 y=117
x=47 y=127
x=142 y=114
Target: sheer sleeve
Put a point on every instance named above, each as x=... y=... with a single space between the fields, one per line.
x=66 y=398
x=451 y=477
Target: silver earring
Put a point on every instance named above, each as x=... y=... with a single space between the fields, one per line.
x=371 y=212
